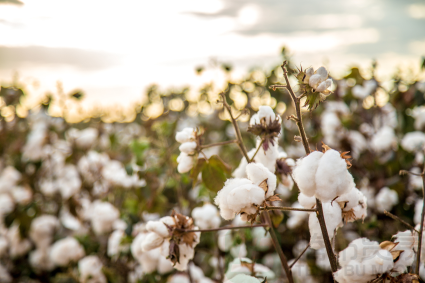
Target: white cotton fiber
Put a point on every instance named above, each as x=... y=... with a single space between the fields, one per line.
x=332 y=176
x=380 y=263
x=257 y=173
x=152 y=241
x=349 y=200
x=305 y=201
x=333 y=220
x=242 y=196
x=188 y=147
x=158 y=227
x=186 y=135
x=185 y=162
x=304 y=173
x=386 y=199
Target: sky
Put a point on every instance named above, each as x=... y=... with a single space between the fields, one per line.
x=113 y=50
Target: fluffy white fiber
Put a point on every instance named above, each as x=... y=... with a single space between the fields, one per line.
x=413 y=141
x=206 y=217
x=386 y=199
x=333 y=219
x=383 y=140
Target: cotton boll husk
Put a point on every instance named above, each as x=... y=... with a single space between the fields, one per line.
x=413 y=141
x=186 y=254
x=186 y=135
x=406 y=259
x=188 y=147
x=333 y=220
x=349 y=200
x=386 y=199
x=152 y=241
x=304 y=173
x=257 y=173
x=65 y=251
x=380 y=263
x=185 y=163
x=332 y=177
x=306 y=202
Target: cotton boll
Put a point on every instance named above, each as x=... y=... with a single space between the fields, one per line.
x=102 y=216
x=262 y=240
x=152 y=241
x=296 y=218
x=384 y=140
x=267 y=113
x=188 y=147
x=22 y=195
x=415 y=182
x=406 y=240
x=159 y=228
x=9 y=178
x=413 y=141
x=358 y=143
x=304 y=173
x=257 y=173
x=39 y=260
x=186 y=135
x=333 y=220
x=65 y=251
x=90 y=269
x=363 y=249
x=7 y=204
x=206 y=217
x=268 y=157
x=322 y=260
x=418 y=212
x=332 y=177
x=349 y=200
x=406 y=259
x=225 y=241
x=185 y=163
x=42 y=230
x=17 y=246
x=239 y=251
x=4 y=245
x=4 y=275
x=240 y=172
x=115 y=246
x=305 y=201
x=386 y=199
x=314 y=80
x=380 y=263
x=242 y=278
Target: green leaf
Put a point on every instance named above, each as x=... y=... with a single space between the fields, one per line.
x=197 y=168
x=276 y=217
x=214 y=173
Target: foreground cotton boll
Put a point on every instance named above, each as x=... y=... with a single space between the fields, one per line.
x=66 y=251
x=332 y=177
x=304 y=173
x=333 y=219
x=318 y=80
x=413 y=141
x=102 y=216
x=386 y=199
x=384 y=140
x=264 y=112
x=185 y=163
x=258 y=173
x=306 y=202
x=206 y=217
x=42 y=230
x=188 y=147
x=90 y=269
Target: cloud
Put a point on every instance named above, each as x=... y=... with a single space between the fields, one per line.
x=15 y=57
x=16 y=2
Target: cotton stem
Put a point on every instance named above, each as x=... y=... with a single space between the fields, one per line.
x=299 y=256
x=218 y=144
x=418 y=254
x=223 y=228
x=258 y=149
x=283 y=208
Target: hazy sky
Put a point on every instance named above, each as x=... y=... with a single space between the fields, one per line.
x=114 y=49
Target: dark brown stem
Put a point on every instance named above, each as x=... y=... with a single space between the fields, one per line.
x=320 y=215
x=223 y=228
x=218 y=144
x=277 y=247
x=283 y=208
x=258 y=149
x=421 y=230
x=395 y=217
x=299 y=256
x=235 y=127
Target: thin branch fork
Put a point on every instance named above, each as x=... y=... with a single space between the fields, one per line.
x=299 y=256
x=283 y=208
x=395 y=217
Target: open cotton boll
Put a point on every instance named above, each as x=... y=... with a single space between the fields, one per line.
x=406 y=259
x=186 y=135
x=258 y=173
x=262 y=240
x=42 y=230
x=296 y=218
x=304 y=173
x=90 y=269
x=66 y=251
x=102 y=216
x=268 y=157
x=332 y=176
x=185 y=163
x=206 y=217
x=383 y=140
x=349 y=200
x=264 y=112
x=305 y=201
x=386 y=199
x=152 y=241
x=413 y=141
x=380 y=263
x=242 y=278
x=188 y=147
x=159 y=227
x=333 y=220
x=406 y=240
x=225 y=241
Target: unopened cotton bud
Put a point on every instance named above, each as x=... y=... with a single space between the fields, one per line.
x=314 y=80
x=322 y=72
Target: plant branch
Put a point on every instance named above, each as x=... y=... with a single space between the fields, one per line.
x=218 y=144
x=299 y=256
x=320 y=215
x=223 y=228
x=395 y=217
x=421 y=230
x=283 y=208
x=258 y=149
x=235 y=127
x=277 y=247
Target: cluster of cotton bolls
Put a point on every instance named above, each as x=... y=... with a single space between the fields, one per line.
x=206 y=217
x=318 y=80
x=244 y=195
x=246 y=266
x=187 y=138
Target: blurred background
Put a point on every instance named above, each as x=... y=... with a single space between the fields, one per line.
x=113 y=52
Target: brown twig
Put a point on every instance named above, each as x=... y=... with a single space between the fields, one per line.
x=283 y=208
x=218 y=144
x=421 y=230
x=320 y=215
x=222 y=228
x=235 y=127
x=395 y=217
x=299 y=256
x=277 y=247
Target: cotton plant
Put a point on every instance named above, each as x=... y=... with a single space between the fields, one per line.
x=386 y=199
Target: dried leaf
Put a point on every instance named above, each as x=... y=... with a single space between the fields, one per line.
x=173 y=252
x=396 y=255
x=348 y=215
x=264 y=185
x=325 y=147
x=249 y=265
x=345 y=156
x=388 y=245
x=274 y=198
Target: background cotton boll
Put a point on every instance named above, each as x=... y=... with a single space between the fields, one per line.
x=186 y=135
x=22 y=195
x=188 y=147
x=224 y=240
x=304 y=173
x=322 y=259
x=39 y=259
x=333 y=220
x=384 y=140
x=17 y=246
x=296 y=218
x=185 y=163
x=262 y=239
x=9 y=178
x=358 y=143
x=115 y=247
x=386 y=199
x=332 y=177
x=86 y=137
x=283 y=191
x=206 y=217
x=65 y=251
x=267 y=158
x=267 y=113
x=6 y=204
x=257 y=173
x=102 y=216
x=42 y=230
x=238 y=251
x=418 y=211
x=90 y=269
x=413 y=141
x=305 y=201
